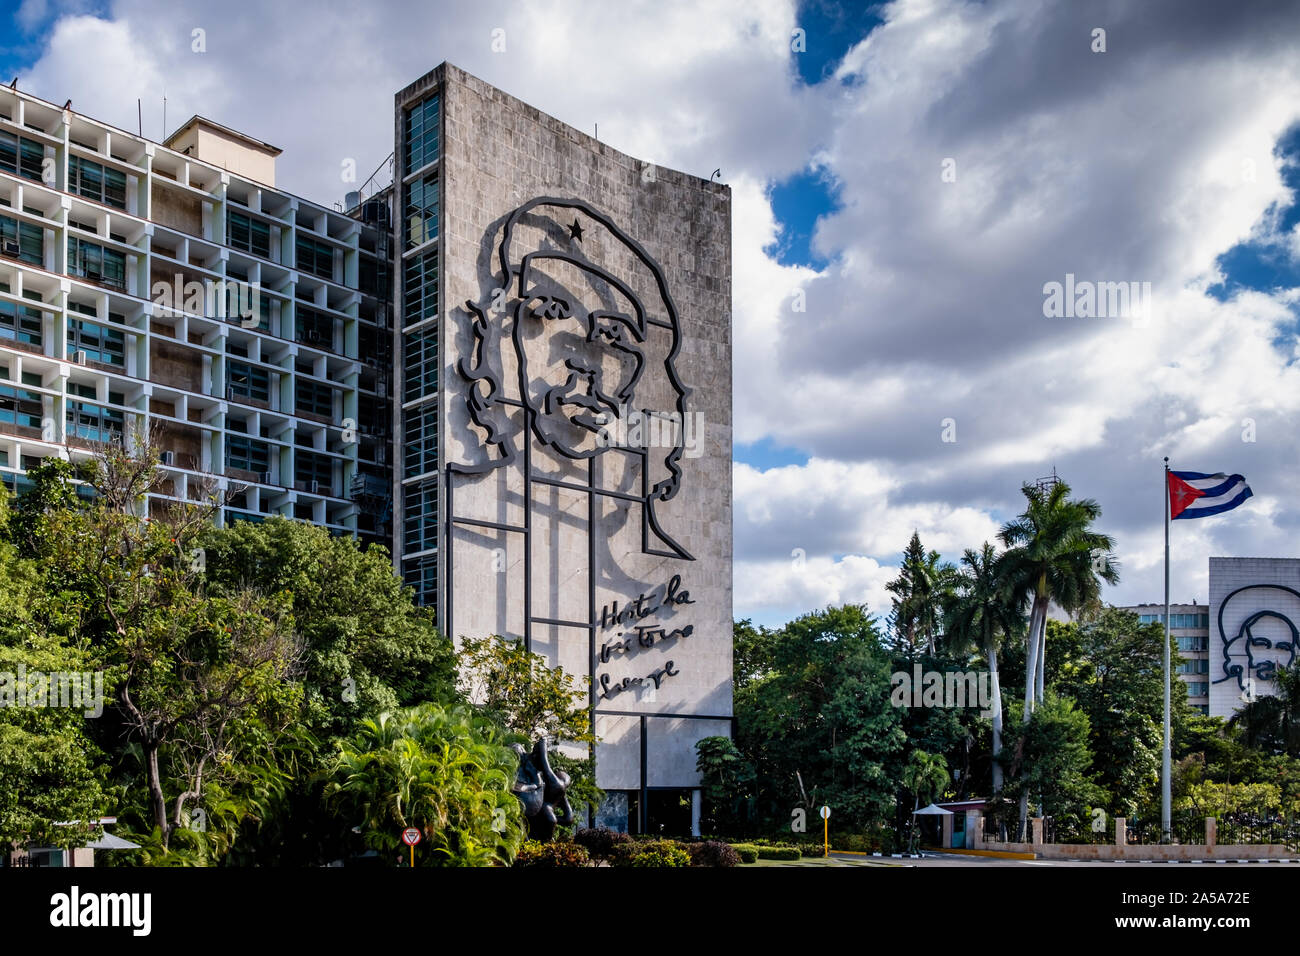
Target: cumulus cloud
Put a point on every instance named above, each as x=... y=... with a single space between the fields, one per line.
x=1144 y=163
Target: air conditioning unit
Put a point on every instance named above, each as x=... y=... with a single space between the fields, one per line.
x=264 y=477
x=11 y=247
x=381 y=454
x=93 y=275
x=169 y=458
x=381 y=389
x=313 y=487
x=79 y=357
x=230 y=391
x=313 y=337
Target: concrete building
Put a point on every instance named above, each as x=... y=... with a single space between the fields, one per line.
x=541 y=325
x=565 y=419
x=1254 y=610
x=171 y=288
x=1234 y=645
x=1189 y=624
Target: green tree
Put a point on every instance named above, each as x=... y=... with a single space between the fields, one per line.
x=1053 y=555
x=50 y=770
x=517 y=689
x=1056 y=763
x=446 y=772
x=819 y=728
x=924 y=776
x=726 y=781
x=920 y=592
x=751 y=653
x=980 y=615
x=1114 y=670
x=366 y=648
x=198 y=682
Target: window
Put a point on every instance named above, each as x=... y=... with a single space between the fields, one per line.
x=420 y=522
x=315 y=257
x=248 y=454
x=21 y=407
x=30 y=240
x=94 y=262
x=251 y=235
x=20 y=323
x=420 y=288
x=310 y=467
x=422 y=575
x=422 y=440
x=23 y=157
x=420 y=363
x=99 y=342
x=313 y=328
x=250 y=381
x=315 y=398
x=94 y=422
x=97 y=182
x=420 y=211
x=1201 y=666
x=1192 y=643
x=1198 y=689
x=420 y=134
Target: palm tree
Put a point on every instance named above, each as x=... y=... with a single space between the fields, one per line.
x=926 y=774
x=1053 y=555
x=980 y=614
x=920 y=591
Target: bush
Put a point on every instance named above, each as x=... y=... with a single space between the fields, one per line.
x=747 y=851
x=875 y=841
x=557 y=853
x=713 y=853
x=779 y=853
x=651 y=853
x=600 y=842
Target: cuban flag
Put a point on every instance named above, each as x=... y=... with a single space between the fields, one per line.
x=1193 y=494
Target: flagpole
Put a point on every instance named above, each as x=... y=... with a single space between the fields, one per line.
x=1165 y=757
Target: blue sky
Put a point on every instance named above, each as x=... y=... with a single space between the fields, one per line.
x=1172 y=158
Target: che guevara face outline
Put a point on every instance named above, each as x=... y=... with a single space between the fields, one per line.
x=590 y=358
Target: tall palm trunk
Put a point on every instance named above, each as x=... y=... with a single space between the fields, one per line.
x=1032 y=645
x=1042 y=658
x=995 y=690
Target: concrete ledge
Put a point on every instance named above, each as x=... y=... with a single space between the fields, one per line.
x=1185 y=851
x=998 y=854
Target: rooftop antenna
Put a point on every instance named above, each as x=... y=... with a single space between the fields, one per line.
x=164 y=135
x=139 y=117
x=1045 y=485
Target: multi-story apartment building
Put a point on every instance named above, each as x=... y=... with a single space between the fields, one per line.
x=173 y=288
x=1189 y=625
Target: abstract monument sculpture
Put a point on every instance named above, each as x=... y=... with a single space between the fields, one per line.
x=542 y=791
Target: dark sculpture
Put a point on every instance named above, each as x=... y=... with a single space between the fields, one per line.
x=542 y=791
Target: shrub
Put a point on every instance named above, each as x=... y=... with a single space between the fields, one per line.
x=747 y=851
x=874 y=841
x=713 y=853
x=779 y=853
x=651 y=853
x=600 y=842
x=557 y=853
